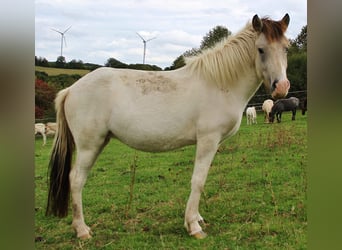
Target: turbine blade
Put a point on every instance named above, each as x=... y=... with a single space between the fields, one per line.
x=57 y=31
x=151 y=39
x=67 y=29
x=140 y=36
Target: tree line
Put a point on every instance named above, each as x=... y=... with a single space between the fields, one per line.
x=47 y=86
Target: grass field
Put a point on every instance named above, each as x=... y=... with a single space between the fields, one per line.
x=254 y=198
x=58 y=71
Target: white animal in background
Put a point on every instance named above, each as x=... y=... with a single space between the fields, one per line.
x=51 y=128
x=39 y=128
x=267 y=107
x=251 y=115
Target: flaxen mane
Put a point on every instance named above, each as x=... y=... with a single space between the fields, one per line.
x=227 y=60
x=223 y=64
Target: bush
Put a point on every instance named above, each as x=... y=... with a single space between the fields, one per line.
x=44 y=98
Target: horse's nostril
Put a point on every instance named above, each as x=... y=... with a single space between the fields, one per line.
x=274 y=84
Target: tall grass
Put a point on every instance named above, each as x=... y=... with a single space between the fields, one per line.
x=254 y=198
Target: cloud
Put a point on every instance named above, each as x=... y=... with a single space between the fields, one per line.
x=104 y=28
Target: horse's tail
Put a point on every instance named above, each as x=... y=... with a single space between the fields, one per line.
x=60 y=162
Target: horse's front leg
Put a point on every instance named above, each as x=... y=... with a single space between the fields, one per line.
x=278 y=117
x=205 y=152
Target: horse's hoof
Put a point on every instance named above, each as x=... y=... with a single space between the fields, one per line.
x=200 y=235
x=84 y=236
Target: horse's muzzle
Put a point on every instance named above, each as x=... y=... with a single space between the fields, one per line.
x=280 y=89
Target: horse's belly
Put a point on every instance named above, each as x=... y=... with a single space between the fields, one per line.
x=153 y=135
x=154 y=142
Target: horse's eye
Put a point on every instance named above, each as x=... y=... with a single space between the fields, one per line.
x=261 y=51
x=286 y=50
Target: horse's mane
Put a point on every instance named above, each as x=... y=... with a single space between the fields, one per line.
x=273 y=30
x=223 y=63
x=227 y=60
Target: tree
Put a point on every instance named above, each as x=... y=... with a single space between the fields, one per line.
x=299 y=44
x=301 y=40
x=180 y=62
x=297 y=61
x=209 y=40
x=41 y=61
x=60 y=63
x=112 y=62
x=214 y=36
x=140 y=66
x=297 y=71
x=75 y=64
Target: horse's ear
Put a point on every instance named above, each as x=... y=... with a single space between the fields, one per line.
x=257 y=23
x=286 y=20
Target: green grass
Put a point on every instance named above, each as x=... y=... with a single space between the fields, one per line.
x=254 y=198
x=58 y=71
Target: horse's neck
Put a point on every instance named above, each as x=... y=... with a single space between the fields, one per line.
x=246 y=86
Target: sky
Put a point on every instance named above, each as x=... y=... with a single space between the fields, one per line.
x=104 y=29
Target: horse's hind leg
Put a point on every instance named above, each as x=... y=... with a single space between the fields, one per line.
x=86 y=156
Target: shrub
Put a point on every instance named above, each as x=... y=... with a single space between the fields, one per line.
x=44 y=97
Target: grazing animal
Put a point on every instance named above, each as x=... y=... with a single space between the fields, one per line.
x=267 y=107
x=39 y=128
x=51 y=128
x=201 y=103
x=304 y=105
x=251 y=115
x=289 y=104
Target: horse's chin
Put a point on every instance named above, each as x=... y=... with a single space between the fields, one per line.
x=278 y=95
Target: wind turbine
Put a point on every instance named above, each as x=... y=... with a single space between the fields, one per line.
x=145 y=41
x=62 y=38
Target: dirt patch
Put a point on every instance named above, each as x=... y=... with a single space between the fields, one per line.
x=156 y=84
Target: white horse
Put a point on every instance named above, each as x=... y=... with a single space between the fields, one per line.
x=201 y=103
x=51 y=128
x=39 y=128
x=251 y=116
x=267 y=107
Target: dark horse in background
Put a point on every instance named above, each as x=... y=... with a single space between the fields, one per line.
x=289 y=104
x=303 y=105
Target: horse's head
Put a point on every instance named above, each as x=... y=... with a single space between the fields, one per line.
x=271 y=59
